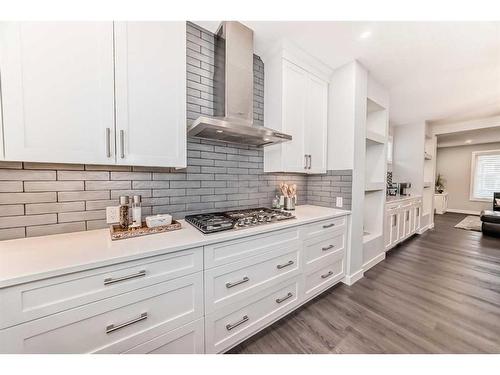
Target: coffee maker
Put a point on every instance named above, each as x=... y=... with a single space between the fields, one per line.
x=403 y=188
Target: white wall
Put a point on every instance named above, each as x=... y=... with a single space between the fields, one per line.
x=454 y=163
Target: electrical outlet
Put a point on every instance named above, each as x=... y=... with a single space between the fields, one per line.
x=339 y=202
x=112 y=215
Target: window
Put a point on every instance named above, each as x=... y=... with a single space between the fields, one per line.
x=485 y=175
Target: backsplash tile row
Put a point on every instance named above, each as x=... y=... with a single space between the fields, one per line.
x=322 y=190
x=68 y=198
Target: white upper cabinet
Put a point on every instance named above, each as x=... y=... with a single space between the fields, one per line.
x=294 y=116
x=63 y=83
x=1 y=126
x=57 y=91
x=150 y=63
x=316 y=124
x=296 y=103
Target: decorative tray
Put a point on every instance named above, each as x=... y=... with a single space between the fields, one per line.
x=117 y=233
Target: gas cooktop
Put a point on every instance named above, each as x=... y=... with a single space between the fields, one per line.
x=238 y=219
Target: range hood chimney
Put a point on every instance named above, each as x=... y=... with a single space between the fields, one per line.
x=233 y=92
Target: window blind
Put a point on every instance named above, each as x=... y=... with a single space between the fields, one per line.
x=486 y=175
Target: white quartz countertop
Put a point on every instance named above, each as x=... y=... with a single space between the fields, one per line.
x=400 y=198
x=28 y=259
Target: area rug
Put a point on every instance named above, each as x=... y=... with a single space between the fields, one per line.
x=470 y=223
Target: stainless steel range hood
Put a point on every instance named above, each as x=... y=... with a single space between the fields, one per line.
x=233 y=92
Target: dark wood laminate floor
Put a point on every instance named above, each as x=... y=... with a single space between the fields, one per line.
x=436 y=293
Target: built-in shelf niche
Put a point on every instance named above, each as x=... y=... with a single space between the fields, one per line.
x=373 y=215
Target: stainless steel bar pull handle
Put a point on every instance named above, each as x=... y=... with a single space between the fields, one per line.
x=280 y=266
x=111 y=280
x=108 y=142
x=113 y=327
x=329 y=247
x=122 y=144
x=282 y=299
x=310 y=161
x=244 y=280
x=329 y=225
x=238 y=323
x=305 y=161
x=328 y=274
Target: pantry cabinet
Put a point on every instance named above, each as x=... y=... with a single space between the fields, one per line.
x=296 y=99
x=57 y=91
x=94 y=92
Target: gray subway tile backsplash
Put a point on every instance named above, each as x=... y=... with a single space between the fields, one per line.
x=44 y=198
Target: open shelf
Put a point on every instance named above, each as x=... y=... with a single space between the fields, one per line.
x=368 y=237
x=375 y=186
x=374 y=137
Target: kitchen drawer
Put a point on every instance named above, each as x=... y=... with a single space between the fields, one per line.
x=34 y=300
x=236 y=281
x=227 y=327
x=135 y=316
x=231 y=251
x=323 y=227
x=318 y=250
x=325 y=276
x=188 y=339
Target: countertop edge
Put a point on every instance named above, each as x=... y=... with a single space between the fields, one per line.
x=204 y=241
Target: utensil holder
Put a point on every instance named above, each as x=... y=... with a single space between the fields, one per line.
x=289 y=204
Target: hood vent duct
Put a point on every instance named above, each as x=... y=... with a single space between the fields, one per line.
x=233 y=92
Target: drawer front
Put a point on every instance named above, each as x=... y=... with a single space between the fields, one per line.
x=41 y=298
x=318 y=250
x=323 y=227
x=227 y=327
x=188 y=339
x=226 y=284
x=135 y=317
x=318 y=280
x=232 y=251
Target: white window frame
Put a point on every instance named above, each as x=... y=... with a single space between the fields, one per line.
x=475 y=154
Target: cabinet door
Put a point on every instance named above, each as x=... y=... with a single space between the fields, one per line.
x=316 y=124
x=417 y=217
x=150 y=63
x=294 y=108
x=57 y=91
x=387 y=231
x=1 y=124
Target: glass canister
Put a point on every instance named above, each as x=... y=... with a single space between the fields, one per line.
x=124 y=211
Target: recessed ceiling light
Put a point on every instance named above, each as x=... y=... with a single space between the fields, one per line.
x=266 y=139
x=220 y=131
x=468 y=141
x=365 y=34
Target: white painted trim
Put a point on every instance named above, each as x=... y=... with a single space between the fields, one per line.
x=453 y=127
x=474 y=156
x=351 y=279
x=372 y=262
x=458 y=211
x=424 y=229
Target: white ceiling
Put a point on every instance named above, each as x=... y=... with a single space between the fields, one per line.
x=433 y=70
x=470 y=137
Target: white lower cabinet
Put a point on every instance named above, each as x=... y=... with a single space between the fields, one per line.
x=229 y=326
x=107 y=326
x=402 y=220
x=176 y=302
x=188 y=339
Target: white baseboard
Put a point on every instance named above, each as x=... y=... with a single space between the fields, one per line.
x=467 y=212
x=351 y=279
x=379 y=258
x=423 y=229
